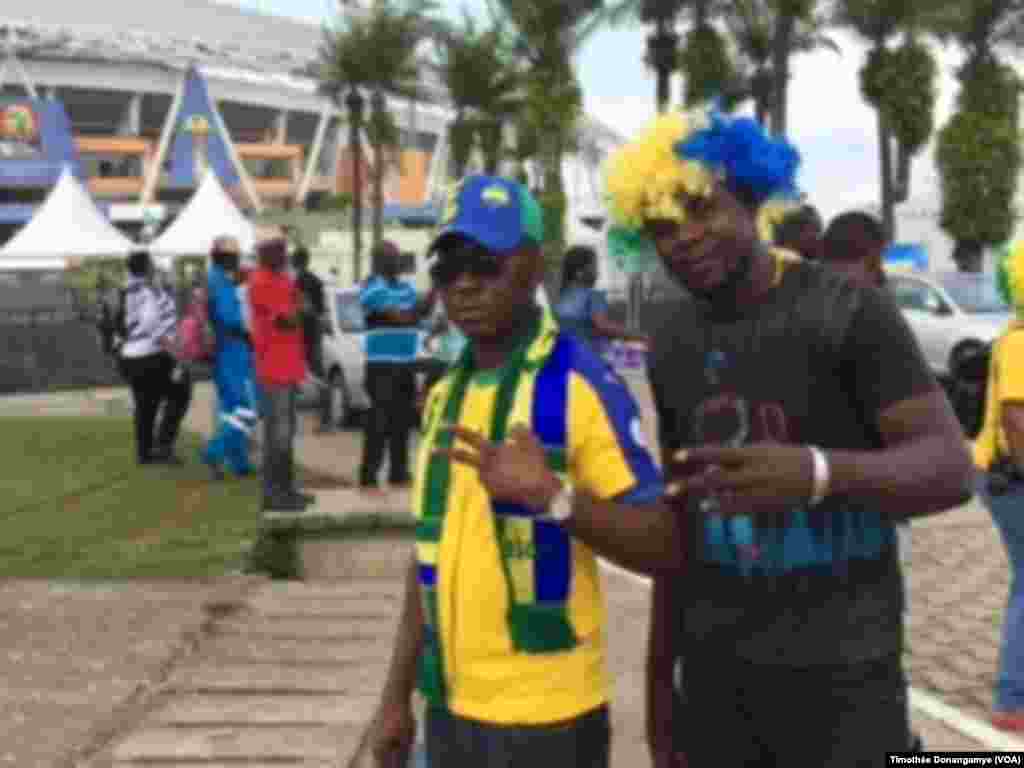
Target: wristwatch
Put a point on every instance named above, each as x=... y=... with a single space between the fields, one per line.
x=560 y=508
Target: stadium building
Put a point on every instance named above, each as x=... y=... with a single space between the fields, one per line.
x=155 y=93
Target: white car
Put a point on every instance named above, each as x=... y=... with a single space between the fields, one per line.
x=344 y=351
x=951 y=313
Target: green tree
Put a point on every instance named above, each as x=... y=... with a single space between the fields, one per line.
x=899 y=83
x=483 y=84
x=753 y=26
x=383 y=134
x=662 y=54
x=547 y=35
x=373 y=53
x=978 y=154
x=709 y=68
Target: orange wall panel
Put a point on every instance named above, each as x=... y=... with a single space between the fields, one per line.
x=114 y=145
x=116 y=186
x=413 y=182
x=269 y=151
x=274 y=187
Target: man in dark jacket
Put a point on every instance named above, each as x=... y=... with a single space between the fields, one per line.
x=314 y=307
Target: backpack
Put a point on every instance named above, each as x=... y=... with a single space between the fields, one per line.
x=194 y=341
x=967 y=386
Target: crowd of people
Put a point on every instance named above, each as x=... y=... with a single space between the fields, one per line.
x=800 y=431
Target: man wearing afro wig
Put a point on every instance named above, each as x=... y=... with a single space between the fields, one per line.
x=798 y=425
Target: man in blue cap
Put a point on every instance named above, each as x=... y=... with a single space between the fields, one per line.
x=533 y=459
x=393 y=313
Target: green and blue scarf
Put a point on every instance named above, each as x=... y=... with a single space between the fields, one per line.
x=536 y=555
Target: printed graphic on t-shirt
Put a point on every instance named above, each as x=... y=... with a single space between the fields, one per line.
x=769 y=543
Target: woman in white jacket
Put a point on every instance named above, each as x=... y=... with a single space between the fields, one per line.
x=150 y=320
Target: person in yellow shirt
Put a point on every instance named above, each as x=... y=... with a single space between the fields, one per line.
x=533 y=462
x=999 y=453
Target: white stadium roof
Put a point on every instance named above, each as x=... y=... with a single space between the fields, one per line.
x=225 y=40
x=213 y=35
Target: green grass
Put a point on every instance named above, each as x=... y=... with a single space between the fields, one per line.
x=74 y=505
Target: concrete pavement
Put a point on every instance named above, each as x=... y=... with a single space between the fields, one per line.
x=286 y=673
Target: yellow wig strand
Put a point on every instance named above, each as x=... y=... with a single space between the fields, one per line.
x=1010 y=276
x=645 y=177
x=771 y=213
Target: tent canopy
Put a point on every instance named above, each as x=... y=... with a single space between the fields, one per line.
x=209 y=215
x=67 y=226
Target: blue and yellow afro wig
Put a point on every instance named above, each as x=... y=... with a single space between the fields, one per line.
x=688 y=152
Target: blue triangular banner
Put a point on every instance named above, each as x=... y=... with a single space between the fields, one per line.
x=36 y=143
x=198 y=142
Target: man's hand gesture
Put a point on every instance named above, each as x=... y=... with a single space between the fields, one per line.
x=515 y=471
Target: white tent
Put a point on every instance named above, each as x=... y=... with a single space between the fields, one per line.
x=67 y=227
x=209 y=214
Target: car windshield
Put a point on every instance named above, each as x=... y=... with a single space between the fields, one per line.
x=974 y=294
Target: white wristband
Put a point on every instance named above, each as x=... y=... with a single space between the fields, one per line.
x=561 y=507
x=822 y=475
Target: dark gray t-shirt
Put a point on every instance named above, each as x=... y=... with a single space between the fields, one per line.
x=814 y=364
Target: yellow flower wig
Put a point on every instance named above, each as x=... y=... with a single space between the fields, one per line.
x=772 y=213
x=644 y=178
x=1010 y=275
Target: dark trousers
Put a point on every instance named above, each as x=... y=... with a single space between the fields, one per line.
x=315 y=363
x=153 y=386
x=279 y=427
x=392 y=391
x=583 y=742
x=747 y=715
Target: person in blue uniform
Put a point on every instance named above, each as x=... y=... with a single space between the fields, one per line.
x=233 y=373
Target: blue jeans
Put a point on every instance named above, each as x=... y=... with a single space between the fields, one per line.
x=1007 y=511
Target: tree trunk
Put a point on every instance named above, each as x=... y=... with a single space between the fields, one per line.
x=885 y=169
x=492 y=133
x=664 y=85
x=969 y=256
x=761 y=88
x=356 y=150
x=782 y=46
x=460 y=139
x=378 y=192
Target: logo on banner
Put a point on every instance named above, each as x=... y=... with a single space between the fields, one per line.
x=19 y=132
x=198 y=127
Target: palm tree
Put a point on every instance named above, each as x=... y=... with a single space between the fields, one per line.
x=547 y=35
x=662 y=53
x=375 y=52
x=978 y=153
x=752 y=26
x=483 y=85
x=899 y=84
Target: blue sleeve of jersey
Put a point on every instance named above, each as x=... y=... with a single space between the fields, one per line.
x=624 y=416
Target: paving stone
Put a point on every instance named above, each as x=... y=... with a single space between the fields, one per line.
x=212 y=709
x=310 y=627
x=298 y=590
x=266 y=679
x=267 y=744
x=277 y=607
x=242 y=649
x=172 y=763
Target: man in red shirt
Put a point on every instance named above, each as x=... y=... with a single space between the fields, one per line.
x=280 y=368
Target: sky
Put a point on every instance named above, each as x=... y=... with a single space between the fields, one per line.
x=830 y=125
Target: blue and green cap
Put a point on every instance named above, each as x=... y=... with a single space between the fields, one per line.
x=498 y=213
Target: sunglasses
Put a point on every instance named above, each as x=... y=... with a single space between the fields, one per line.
x=483 y=266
